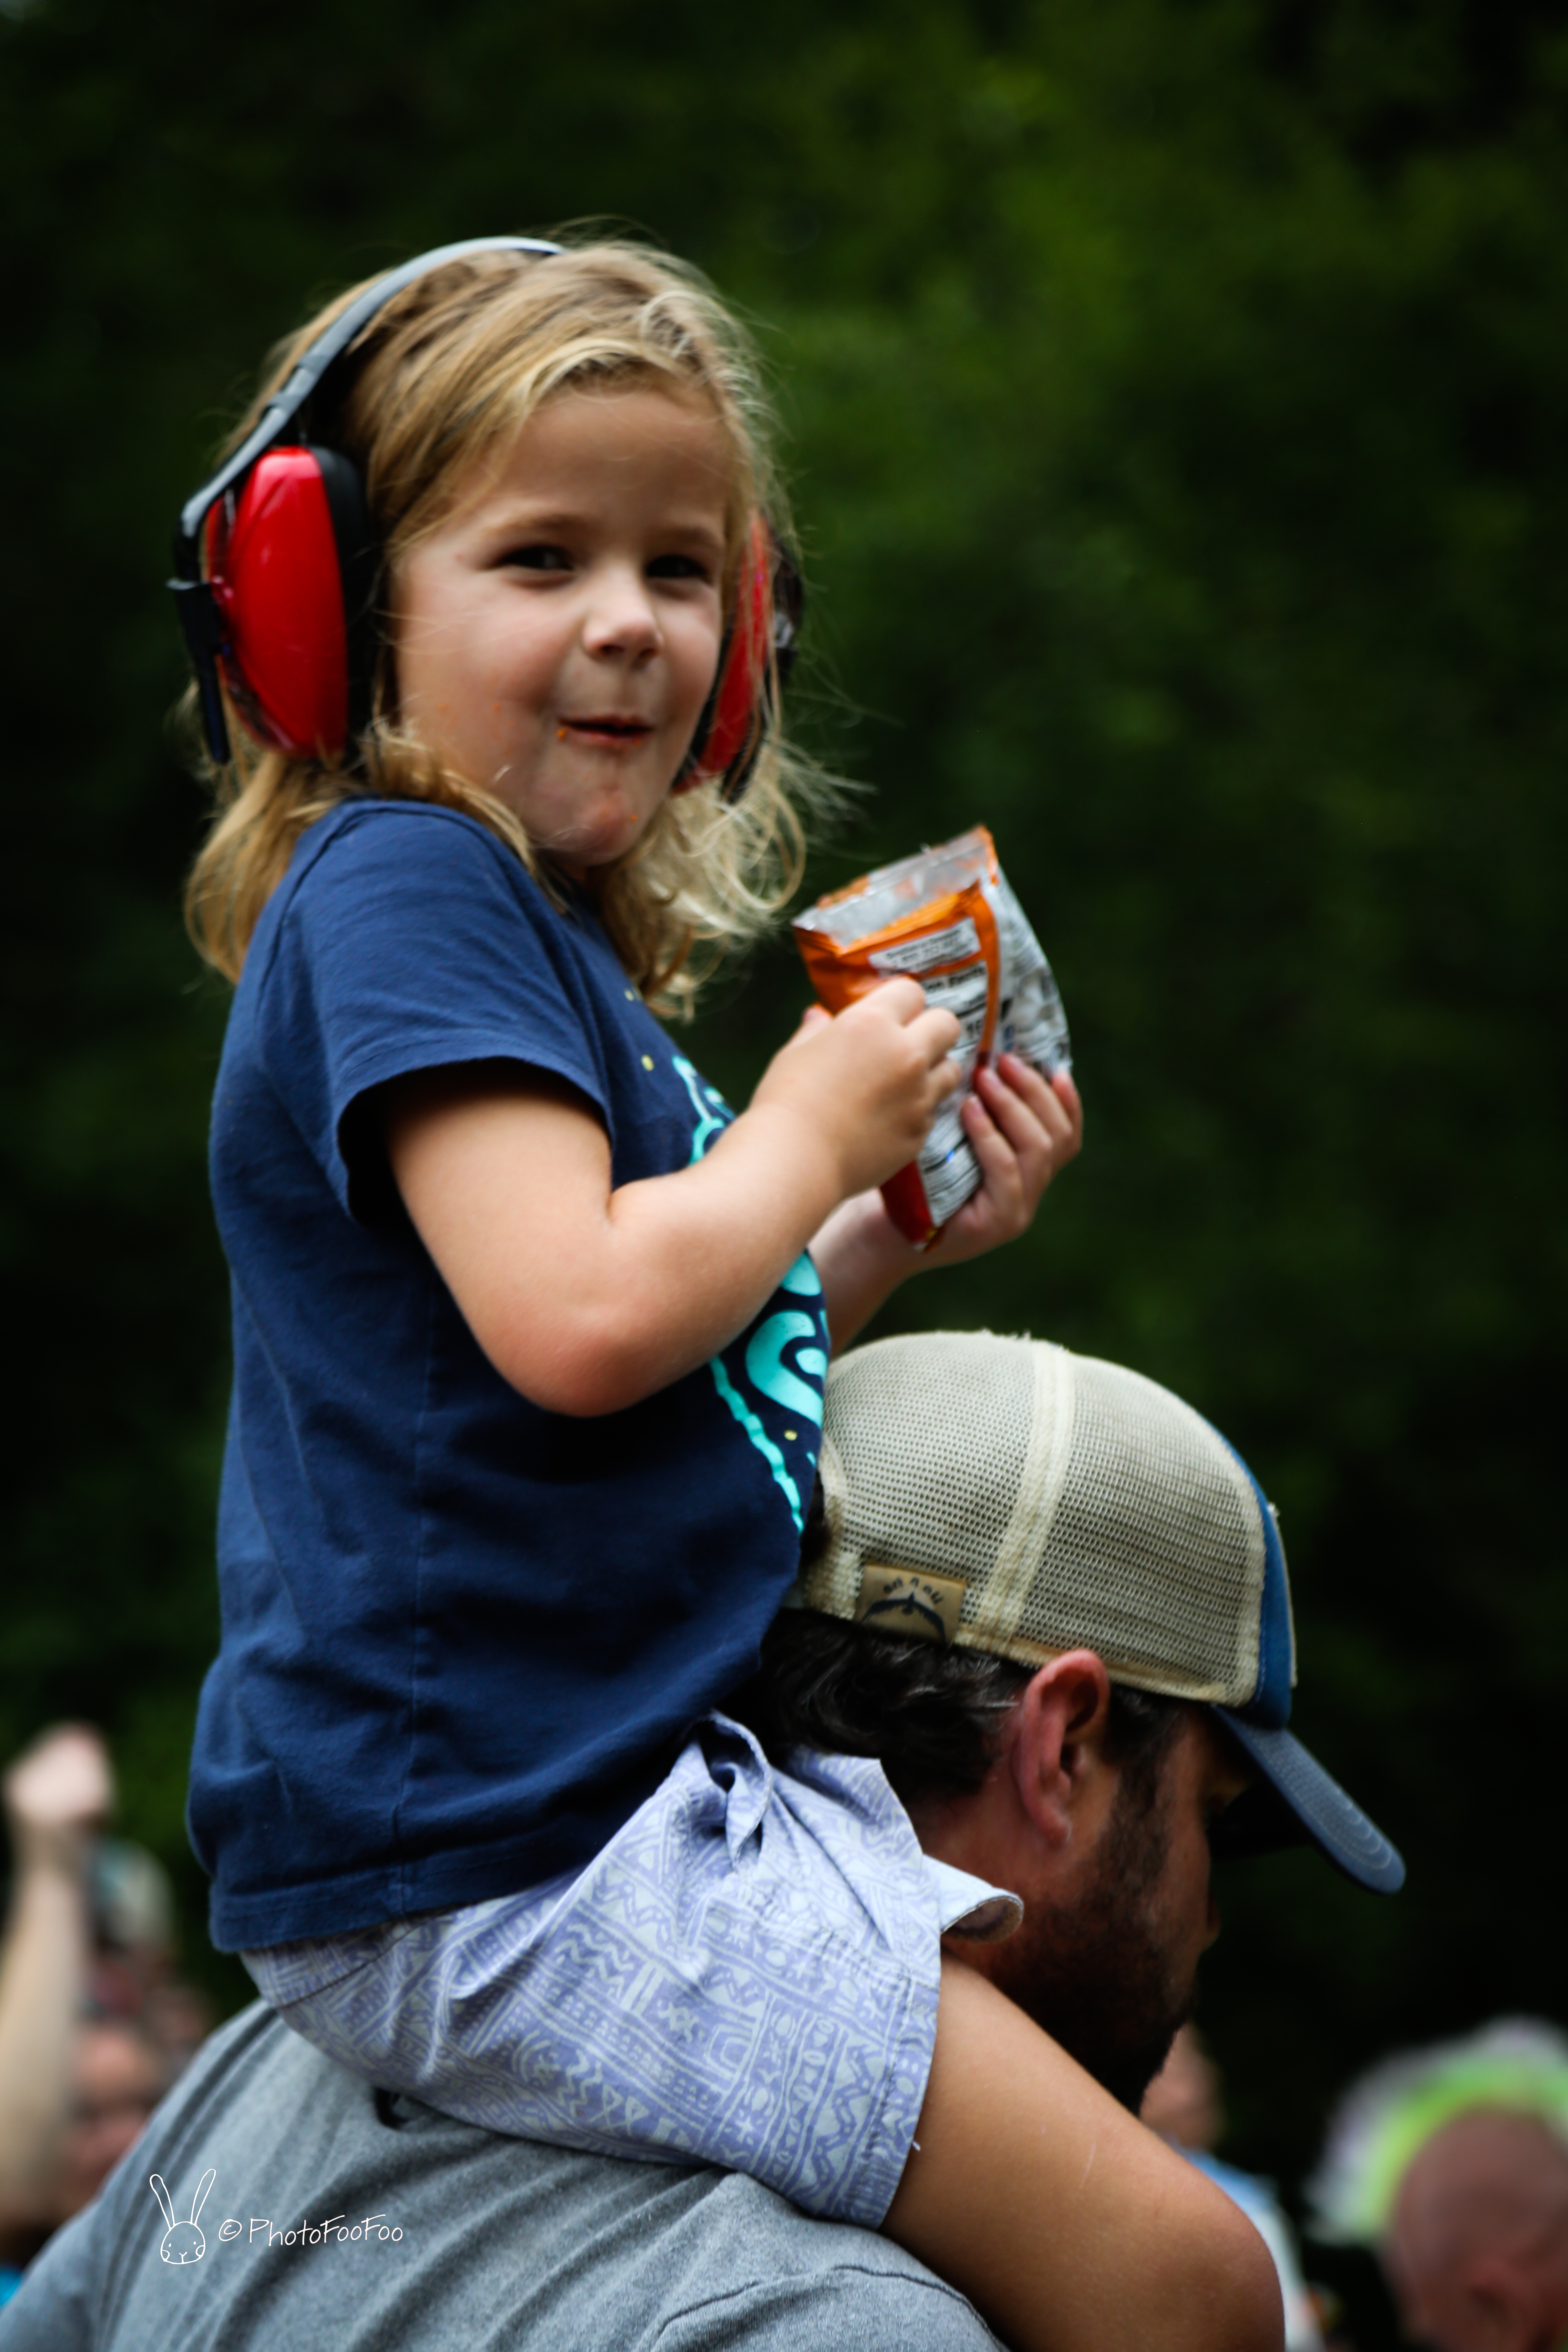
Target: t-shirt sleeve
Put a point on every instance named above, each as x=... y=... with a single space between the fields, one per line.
x=413 y=940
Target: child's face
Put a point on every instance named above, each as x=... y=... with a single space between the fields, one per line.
x=557 y=635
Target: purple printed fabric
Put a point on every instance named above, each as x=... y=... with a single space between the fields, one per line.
x=745 y=1976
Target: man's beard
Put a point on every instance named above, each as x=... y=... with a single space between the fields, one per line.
x=1095 y=1975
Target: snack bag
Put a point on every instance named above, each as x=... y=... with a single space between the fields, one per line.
x=947 y=918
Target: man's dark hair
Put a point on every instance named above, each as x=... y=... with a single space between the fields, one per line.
x=930 y=1715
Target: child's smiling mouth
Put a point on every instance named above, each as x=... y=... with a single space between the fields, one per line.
x=606 y=728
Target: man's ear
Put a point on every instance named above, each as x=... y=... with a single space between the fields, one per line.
x=1500 y=2312
x=1058 y=1735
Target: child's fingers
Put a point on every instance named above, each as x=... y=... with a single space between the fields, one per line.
x=902 y=1002
x=1065 y=1088
x=937 y=1033
x=1065 y=1085
x=946 y=1078
x=1001 y=1165
x=1039 y=1130
x=1053 y=1100
x=1024 y=1103
x=1021 y=1128
x=904 y=999
x=897 y=998
x=1031 y=1120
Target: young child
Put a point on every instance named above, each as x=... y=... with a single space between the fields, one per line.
x=530 y=1332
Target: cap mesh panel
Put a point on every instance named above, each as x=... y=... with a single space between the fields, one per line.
x=1154 y=1557
x=1148 y=1548
x=898 y=1408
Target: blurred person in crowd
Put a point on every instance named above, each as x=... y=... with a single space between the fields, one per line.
x=134 y=1961
x=55 y=1796
x=93 y=2027
x=132 y=1926
x=1453 y=2162
x=1184 y=2105
x=118 y=2075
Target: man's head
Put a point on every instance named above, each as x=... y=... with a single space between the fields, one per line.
x=1110 y=1847
x=1092 y=1802
x=1052 y=1601
x=1477 y=2250
x=1453 y=2162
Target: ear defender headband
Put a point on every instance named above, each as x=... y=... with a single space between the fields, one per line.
x=276 y=565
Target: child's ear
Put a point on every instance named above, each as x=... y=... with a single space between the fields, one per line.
x=1057 y=1736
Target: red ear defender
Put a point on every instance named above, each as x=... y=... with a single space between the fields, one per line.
x=757 y=656
x=275 y=559
x=277 y=578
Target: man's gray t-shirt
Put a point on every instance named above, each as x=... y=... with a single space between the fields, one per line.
x=339 y=2217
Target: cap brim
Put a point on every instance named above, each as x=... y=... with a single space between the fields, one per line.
x=1315 y=1810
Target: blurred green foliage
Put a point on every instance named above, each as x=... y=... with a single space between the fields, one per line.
x=1173 y=391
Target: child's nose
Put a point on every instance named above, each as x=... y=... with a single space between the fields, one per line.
x=621 y=618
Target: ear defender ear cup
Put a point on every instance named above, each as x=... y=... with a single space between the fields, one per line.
x=755 y=658
x=290 y=570
x=269 y=563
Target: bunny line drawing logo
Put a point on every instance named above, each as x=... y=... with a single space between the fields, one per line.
x=182 y=2241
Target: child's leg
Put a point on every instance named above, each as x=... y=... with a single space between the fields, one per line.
x=746 y=1976
x=1070 y=2226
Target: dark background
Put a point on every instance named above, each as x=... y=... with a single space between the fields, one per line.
x=1176 y=394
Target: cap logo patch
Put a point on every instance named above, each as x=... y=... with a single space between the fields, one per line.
x=909 y=1601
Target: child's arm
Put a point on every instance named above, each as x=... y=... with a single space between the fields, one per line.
x=587 y=1298
x=1023 y=1128
x=1071 y=2226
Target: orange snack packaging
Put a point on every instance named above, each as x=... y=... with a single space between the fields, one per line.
x=946 y=918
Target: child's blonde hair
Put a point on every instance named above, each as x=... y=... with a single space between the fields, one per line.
x=451 y=367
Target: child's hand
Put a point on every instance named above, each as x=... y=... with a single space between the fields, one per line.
x=1024 y=1129
x=865 y=1084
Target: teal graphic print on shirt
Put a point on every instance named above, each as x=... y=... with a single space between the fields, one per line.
x=771 y=1377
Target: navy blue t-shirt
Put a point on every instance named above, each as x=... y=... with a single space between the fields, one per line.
x=460 y=1635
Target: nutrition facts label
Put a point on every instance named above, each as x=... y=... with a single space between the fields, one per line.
x=948 y=946
x=949 y=1170
x=966 y=994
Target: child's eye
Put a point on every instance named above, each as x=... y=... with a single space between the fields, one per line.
x=678 y=567
x=537 y=558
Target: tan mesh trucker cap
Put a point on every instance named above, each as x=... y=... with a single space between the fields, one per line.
x=1010 y=1496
